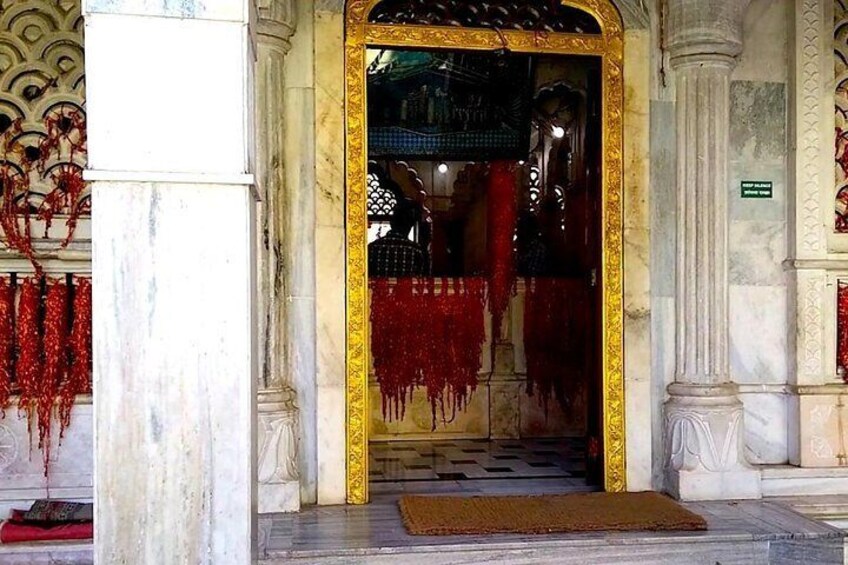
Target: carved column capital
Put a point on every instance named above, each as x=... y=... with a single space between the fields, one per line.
x=276 y=23
x=705 y=29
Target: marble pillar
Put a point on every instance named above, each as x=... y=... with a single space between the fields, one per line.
x=174 y=280
x=279 y=428
x=704 y=420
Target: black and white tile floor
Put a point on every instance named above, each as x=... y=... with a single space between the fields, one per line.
x=457 y=460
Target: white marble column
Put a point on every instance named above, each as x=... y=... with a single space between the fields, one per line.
x=704 y=417
x=174 y=280
x=279 y=423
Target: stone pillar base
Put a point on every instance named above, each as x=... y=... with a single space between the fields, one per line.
x=279 y=477
x=704 y=445
x=504 y=394
x=729 y=485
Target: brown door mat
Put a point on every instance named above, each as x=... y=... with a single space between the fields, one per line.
x=580 y=512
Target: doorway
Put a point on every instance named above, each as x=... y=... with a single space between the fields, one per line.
x=488 y=190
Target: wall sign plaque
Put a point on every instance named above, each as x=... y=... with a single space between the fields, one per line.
x=757 y=189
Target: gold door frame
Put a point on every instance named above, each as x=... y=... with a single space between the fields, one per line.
x=609 y=46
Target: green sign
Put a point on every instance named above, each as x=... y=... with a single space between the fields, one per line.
x=757 y=189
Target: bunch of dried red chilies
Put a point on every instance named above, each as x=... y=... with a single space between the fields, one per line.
x=51 y=161
x=45 y=350
x=427 y=333
x=842 y=328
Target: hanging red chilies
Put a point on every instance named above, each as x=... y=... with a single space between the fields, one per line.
x=7 y=341
x=427 y=335
x=55 y=360
x=500 y=232
x=78 y=379
x=28 y=344
x=842 y=328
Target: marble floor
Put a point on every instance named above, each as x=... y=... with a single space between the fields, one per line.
x=756 y=532
x=476 y=459
x=739 y=532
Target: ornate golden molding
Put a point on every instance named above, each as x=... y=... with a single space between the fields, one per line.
x=610 y=47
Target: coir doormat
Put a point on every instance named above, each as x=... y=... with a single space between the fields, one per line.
x=580 y=512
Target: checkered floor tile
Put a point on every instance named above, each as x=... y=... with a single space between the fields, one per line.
x=476 y=459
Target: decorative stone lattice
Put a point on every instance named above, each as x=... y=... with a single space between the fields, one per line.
x=535 y=189
x=42 y=100
x=840 y=52
x=543 y=16
x=381 y=200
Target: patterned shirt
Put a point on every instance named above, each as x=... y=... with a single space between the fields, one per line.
x=394 y=255
x=534 y=262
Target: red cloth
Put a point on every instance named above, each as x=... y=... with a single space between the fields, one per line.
x=14 y=530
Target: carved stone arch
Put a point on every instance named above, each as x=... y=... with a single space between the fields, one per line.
x=409 y=180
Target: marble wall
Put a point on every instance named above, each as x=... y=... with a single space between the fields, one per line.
x=637 y=260
x=759 y=305
x=330 y=252
x=758 y=232
x=71 y=468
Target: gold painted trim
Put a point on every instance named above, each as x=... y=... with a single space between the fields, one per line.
x=610 y=47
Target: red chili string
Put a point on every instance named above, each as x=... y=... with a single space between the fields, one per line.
x=556 y=328
x=842 y=329
x=28 y=342
x=55 y=349
x=78 y=380
x=41 y=368
x=500 y=232
x=64 y=127
x=7 y=341
x=69 y=187
x=427 y=335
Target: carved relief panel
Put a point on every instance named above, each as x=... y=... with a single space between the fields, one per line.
x=840 y=60
x=42 y=114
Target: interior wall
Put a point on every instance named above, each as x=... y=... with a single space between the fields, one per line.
x=760 y=319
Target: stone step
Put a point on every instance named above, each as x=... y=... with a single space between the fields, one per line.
x=47 y=553
x=832 y=509
x=595 y=551
x=743 y=532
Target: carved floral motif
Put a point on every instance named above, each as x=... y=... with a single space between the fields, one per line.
x=8 y=447
x=279 y=447
x=840 y=49
x=704 y=440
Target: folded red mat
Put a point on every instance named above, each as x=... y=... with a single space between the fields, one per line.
x=15 y=531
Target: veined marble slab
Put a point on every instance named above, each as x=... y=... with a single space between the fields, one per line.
x=749 y=532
